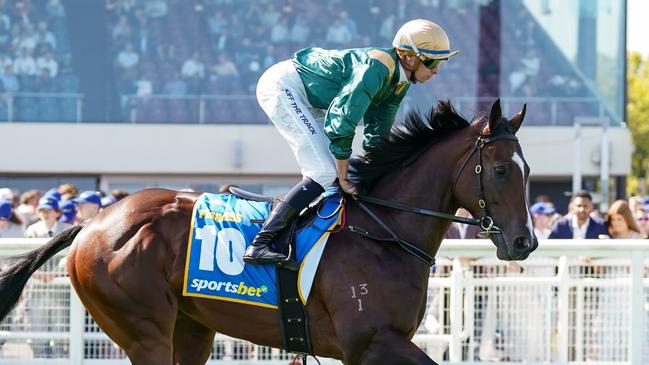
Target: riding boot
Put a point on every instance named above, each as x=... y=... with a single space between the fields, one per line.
x=261 y=250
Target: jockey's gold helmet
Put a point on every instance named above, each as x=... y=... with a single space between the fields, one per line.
x=424 y=39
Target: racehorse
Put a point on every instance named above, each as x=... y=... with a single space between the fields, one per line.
x=368 y=298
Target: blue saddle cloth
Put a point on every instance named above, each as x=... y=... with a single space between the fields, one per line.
x=223 y=225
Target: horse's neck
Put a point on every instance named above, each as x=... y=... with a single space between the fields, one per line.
x=426 y=183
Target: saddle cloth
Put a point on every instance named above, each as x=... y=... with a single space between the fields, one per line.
x=222 y=227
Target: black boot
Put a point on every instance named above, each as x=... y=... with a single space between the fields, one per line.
x=261 y=250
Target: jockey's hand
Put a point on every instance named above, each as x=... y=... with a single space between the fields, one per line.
x=348 y=187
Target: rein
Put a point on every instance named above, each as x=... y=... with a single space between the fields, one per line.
x=485 y=221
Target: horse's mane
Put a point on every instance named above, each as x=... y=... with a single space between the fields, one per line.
x=405 y=141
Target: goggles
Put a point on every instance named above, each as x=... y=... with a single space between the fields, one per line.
x=430 y=63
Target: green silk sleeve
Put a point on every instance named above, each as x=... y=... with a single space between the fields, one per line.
x=350 y=105
x=380 y=118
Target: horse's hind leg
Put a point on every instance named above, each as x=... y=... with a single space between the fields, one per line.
x=138 y=317
x=388 y=347
x=192 y=342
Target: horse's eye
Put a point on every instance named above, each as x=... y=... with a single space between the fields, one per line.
x=500 y=170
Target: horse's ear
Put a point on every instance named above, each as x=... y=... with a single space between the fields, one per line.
x=517 y=119
x=494 y=117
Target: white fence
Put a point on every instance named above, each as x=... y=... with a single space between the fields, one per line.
x=573 y=302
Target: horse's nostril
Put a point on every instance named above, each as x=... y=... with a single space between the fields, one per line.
x=522 y=244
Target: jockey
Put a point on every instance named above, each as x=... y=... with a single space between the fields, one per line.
x=317 y=98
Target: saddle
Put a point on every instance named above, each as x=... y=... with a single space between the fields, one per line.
x=285 y=242
x=292 y=312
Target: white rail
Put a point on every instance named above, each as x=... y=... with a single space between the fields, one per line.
x=572 y=302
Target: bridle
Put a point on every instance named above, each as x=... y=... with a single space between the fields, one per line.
x=484 y=221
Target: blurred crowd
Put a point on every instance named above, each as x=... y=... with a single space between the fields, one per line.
x=624 y=219
x=35 y=57
x=36 y=214
x=221 y=47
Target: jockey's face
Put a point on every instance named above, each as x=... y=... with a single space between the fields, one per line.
x=417 y=71
x=423 y=73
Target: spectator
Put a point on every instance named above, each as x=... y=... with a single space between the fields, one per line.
x=279 y=32
x=88 y=205
x=225 y=70
x=300 y=32
x=22 y=15
x=55 y=9
x=5 y=61
x=68 y=189
x=224 y=42
x=531 y=65
x=10 y=224
x=7 y=194
x=24 y=41
x=156 y=8
x=542 y=216
x=144 y=85
x=579 y=224
x=127 y=58
x=55 y=193
x=44 y=82
x=5 y=31
x=460 y=230
x=65 y=66
x=107 y=201
x=48 y=225
x=338 y=34
x=642 y=218
x=25 y=65
x=620 y=221
x=68 y=212
x=44 y=36
x=145 y=42
x=175 y=86
x=269 y=58
x=388 y=27
x=125 y=36
x=121 y=27
x=9 y=80
x=47 y=62
x=216 y=23
x=518 y=82
x=193 y=67
x=349 y=23
x=270 y=16
x=27 y=210
x=119 y=194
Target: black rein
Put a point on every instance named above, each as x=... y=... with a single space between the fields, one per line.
x=485 y=221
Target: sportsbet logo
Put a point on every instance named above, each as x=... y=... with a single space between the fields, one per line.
x=240 y=289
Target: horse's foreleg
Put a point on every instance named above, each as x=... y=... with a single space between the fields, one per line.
x=388 y=347
x=192 y=341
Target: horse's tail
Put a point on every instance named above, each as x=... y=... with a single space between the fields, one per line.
x=13 y=280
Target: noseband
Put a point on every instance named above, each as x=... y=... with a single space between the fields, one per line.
x=484 y=221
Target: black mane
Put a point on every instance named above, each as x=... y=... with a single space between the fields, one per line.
x=405 y=141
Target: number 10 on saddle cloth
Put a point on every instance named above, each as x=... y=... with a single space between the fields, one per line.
x=222 y=227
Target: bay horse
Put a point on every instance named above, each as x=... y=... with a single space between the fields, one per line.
x=127 y=264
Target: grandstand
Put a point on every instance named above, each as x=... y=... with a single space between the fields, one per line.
x=185 y=63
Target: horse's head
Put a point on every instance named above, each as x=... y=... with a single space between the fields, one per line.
x=491 y=184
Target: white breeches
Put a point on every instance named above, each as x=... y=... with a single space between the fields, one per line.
x=281 y=94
